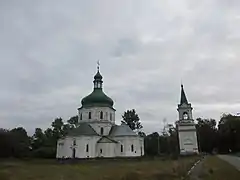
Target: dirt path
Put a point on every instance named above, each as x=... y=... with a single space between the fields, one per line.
x=196 y=172
x=233 y=160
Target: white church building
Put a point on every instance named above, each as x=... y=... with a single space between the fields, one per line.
x=97 y=134
x=186 y=127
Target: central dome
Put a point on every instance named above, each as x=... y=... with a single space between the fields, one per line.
x=97 y=97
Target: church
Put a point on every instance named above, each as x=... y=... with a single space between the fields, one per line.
x=97 y=135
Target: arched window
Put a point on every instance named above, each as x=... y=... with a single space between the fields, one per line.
x=101 y=115
x=110 y=116
x=87 y=148
x=81 y=116
x=132 y=148
x=121 y=148
x=185 y=115
x=74 y=142
x=101 y=151
x=89 y=115
x=102 y=130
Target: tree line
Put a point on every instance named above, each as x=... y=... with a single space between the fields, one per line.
x=223 y=137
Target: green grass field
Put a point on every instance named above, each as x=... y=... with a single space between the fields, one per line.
x=144 y=169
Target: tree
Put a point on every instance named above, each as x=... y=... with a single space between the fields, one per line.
x=152 y=144
x=131 y=118
x=20 y=142
x=5 y=143
x=38 y=138
x=73 y=121
x=207 y=134
x=229 y=133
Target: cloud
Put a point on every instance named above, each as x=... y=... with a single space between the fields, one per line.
x=49 y=49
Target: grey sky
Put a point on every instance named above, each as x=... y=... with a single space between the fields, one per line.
x=49 y=49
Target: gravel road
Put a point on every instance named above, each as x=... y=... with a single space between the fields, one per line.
x=233 y=160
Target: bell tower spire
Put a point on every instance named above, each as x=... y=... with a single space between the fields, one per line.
x=183 y=96
x=184 y=108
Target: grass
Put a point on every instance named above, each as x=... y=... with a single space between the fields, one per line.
x=217 y=169
x=144 y=169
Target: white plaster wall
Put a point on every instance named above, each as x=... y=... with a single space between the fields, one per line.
x=108 y=149
x=97 y=127
x=183 y=127
x=95 y=114
x=81 y=142
x=185 y=148
x=60 y=148
x=127 y=141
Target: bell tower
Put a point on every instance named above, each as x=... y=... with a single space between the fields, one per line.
x=186 y=127
x=184 y=108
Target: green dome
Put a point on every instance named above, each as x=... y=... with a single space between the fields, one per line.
x=97 y=97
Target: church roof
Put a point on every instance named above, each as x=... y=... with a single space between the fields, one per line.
x=122 y=130
x=84 y=129
x=97 y=97
x=106 y=139
x=183 y=99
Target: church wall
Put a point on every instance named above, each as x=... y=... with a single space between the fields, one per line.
x=81 y=147
x=188 y=142
x=127 y=142
x=106 y=149
x=60 y=148
x=183 y=127
x=95 y=114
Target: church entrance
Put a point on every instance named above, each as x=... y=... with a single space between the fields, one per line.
x=73 y=153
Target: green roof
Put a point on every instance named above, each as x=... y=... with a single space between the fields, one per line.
x=97 y=97
x=83 y=130
x=98 y=75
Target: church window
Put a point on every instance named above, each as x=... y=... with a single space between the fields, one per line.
x=102 y=130
x=121 y=148
x=132 y=148
x=101 y=151
x=89 y=115
x=87 y=148
x=110 y=116
x=185 y=115
x=81 y=116
x=74 y=142
x=101 y=115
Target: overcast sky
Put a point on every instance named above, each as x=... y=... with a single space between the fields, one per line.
x=49 y=50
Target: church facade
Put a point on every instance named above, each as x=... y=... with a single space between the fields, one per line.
x=186 y=127
x=97 y=134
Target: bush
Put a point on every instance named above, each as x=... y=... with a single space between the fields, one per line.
x=44 y=152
